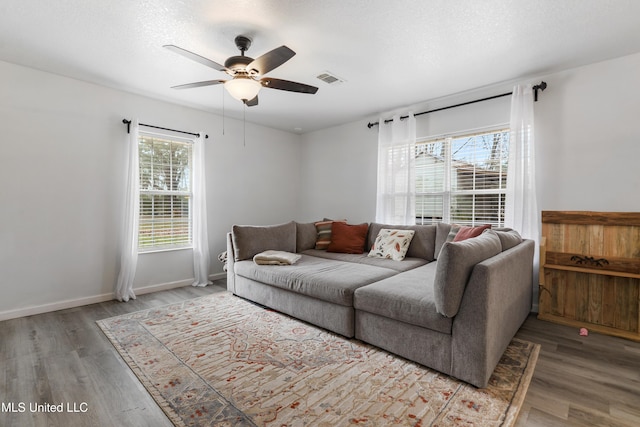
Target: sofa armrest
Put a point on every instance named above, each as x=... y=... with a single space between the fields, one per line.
x=231 y=259
x=496 y=302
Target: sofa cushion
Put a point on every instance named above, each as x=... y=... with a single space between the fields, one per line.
x=392 y=244
x=325 y=279
x=455 y=263
x=452 y=232
x=442 y=233
x=508 y=238
x=305 y=236
x=423 y=242
x=249 y=240
x=347 y=238
x=405 y=265
x=407 y=297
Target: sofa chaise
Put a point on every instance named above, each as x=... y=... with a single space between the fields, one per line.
x=449 y=304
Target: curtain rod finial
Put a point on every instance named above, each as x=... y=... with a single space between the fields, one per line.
x=542 y=86
x=128 y=123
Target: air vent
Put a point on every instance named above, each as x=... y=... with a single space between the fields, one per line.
x=330 y=78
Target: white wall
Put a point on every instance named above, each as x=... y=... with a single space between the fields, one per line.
x=62 y=174
x=339 y=174
x=588 y=138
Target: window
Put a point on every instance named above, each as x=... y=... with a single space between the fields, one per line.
x=462 y=179
x=165 y=193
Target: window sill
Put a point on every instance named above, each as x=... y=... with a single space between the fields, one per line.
x=156 y=250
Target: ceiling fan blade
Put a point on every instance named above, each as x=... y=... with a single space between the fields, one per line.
x=195 y=57
x=252 y=102
x=287 y=85
x=271 y=60
x=199 y=84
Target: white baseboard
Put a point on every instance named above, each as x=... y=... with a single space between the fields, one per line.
x=218 y=276
x=172 y=285
x=78 y=302
x=55 y=306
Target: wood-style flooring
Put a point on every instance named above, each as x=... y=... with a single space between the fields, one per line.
x=63 y=357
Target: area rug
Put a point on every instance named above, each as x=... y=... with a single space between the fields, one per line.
x=222 y=361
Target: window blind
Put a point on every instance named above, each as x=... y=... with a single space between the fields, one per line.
x=462 y=179
x=165 y=193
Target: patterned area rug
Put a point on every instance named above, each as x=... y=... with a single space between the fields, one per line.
x=222 y=361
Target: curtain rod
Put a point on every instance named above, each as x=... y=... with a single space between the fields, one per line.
x=128 y=123
x=542 y=86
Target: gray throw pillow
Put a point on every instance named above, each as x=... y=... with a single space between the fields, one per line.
x=249 y=240
x=508 y=238
x=442 y=231
x=455 y=263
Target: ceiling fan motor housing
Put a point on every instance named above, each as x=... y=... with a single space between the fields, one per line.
x=238 y=64
x=243 y=43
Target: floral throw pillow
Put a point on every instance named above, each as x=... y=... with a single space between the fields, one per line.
x=391 y=244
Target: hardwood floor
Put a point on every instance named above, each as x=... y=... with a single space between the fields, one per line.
x=581 y=381
x=63 y=357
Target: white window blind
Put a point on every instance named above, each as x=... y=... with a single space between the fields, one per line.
x=462 y=179
x=165 y=193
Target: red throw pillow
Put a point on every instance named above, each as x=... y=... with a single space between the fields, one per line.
x=465 y=232
x=347 y=238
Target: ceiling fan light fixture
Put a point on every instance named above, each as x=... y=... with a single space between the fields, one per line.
x=246 y=72
x=243 y=88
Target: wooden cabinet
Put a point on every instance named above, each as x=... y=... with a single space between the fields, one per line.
x=590 y=271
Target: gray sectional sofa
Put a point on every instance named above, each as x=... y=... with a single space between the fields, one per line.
x=451 y=306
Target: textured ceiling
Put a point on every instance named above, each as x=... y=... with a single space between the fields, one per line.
x=390 y=54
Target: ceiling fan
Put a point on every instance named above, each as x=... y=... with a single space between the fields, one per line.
x=247 y=72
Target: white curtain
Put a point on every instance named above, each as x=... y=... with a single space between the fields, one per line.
x=396 y=194
x=200 y=235
x=521 y=209
x=129 y=237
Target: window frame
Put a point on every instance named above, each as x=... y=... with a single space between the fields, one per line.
x=145 y=192
x=448 y=192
